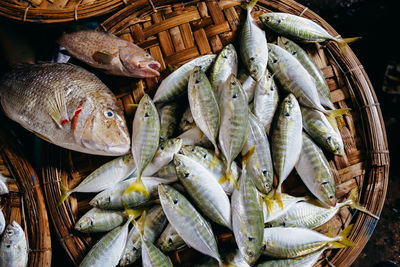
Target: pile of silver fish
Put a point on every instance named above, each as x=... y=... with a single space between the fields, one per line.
x=13 y=243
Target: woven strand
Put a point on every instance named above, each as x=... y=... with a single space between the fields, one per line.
x=125 y=2
x=370 y=105
x=359 y=67
x=152 y=6
x=39 y=250
x=76 y=10
x=26 y=12
x=302 y=12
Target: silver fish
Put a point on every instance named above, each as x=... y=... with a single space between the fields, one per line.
x=170 y=240
x=97 y=220
x=194 y=136
x=272 y=211
x=175 y=84
x=231 y=257
x=66 y=105
x=2 y=222
x=248 y=83
x=187 y=121
x=168 y=120
x=225 y=64
x=167 y=172
x=189 y=224
x=13 y=247
x=3 y=186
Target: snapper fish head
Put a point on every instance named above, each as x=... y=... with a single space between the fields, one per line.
x=138 y=63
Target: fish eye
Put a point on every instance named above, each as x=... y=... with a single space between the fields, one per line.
x=252 y=59
x=109 y=114
x=146 y=115
x=170 y=241
x=223 y=56
x=329 y=138
x=186 y=174
x=250 y=253
x=287 y=114
x=251 y=239
x=324 y=183
x=274 y=61
x=294 y=53
x=193 y=149
x=175 y=201
x=162 y=147
x=278 y=21
x=234 y=96
x=147 y=55
x=205 y=155
x=265 y=172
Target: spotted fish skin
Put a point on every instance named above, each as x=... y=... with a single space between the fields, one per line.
x=286 y=138
x=204 y=189
x=203 y=105
x=226 y=63
x=13 y=247
x=293 y=77
x=247 y=219
x=175 y=84
x=97 y=220
x=170 y=240
x=315 y=171
x=319 y=79
x=108 y=52
x=304 y=261
x=253 y=46
x=266 y=100
x=189 y=224
x=108 y=250
x=168 y=120
x=154 y=223
x=259 y=166
x=318 y=127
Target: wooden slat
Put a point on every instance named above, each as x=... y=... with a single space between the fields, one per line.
x=202 y=41
x=217 y=29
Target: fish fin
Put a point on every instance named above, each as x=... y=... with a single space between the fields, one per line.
x=249 y=5
x=356 y=205
x=137 y=186
x=65 y=192
x=134 y=213
x=102 y=57
x=139 y=224
x=171 y=68
x=133 y=105
x=343 y=42
x=337 y=245
x=336 y=113
x=57 y=107
x=247 y=156
x=269 y=201
x=344 y=237
x=214 y=162
x=330 y=232
x=231 y=178
x=278 y=197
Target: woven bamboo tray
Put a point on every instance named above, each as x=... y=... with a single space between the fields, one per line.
x=52 y=11
x=25 y=203
x=175 y=33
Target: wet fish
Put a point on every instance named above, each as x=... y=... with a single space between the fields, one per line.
x=106 y=51
x=2 y=222
x=259 y=168
x=212 y=163
x=114 y=199
x=280 y=242
x=154 y=223
x=13 y=247
x=67 y=106
x=319 y=79
x=166 y=172
x=3 y=186
x=226 y=63
x=293 y=77
x=286 y=139
x=97 y=220
x=152 y=256
x=266 y=100
x=175 y=84
x=301 y=29
x=234 y=124
x=108 y=250
x=187 y=121
x=204 y=189
x=247 y=219
x=145 y=140
x=103 y=177
x=272 y=211
x=194 y=136
x=189 y=224
x=203 y=105
x=321 y=131
x=253 y=45
x=170 y=240
x=168 y=120
x=231 y=257
x=315 y=172
x=248 y=83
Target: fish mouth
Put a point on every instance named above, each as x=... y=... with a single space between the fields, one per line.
x=106 y=150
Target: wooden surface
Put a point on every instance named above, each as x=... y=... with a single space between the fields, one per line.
x=175 y=33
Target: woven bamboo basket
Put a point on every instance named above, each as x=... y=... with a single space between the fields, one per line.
x=25 y=203
x=52 y=11
x=174 y=33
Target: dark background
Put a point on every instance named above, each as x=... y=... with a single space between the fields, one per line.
x=376 y=21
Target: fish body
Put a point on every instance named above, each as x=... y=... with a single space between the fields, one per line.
x=248 y=83
x=67 y=106
x=266 y=100
x=204 y=189
x=293 y=77
x=168 y=120
x=253 y=46
x=234 y=122
x=319 y=79
x=209 y=160
x=170 y=240
x=259 y=167
x=274 y=212
x=153 y=225
x=175 y=84
x=189 y=224
x=315 y=172
x=304 y=261
x=97 y=220
x=194 y=136
x=226 y=63
x=153 y=257
x=106 y=51
x=286 y=138
x=167 y=172
x=108 y=250
x=231 y=257
x=3 y=186
x=203 y=105
x=13 y=247
x=247 y=219
x=2 y=222
x=187 y=121
x=321 y=131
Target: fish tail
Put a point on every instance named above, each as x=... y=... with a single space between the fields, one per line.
x=336 y=245
x=137 y=186
x=269 y=201
x=139 y=224
x=343 y=237
x=353 y=203
x=336 y=113
x=249 y=5
x=65 y=192
x=134 y=213
x=343 y=43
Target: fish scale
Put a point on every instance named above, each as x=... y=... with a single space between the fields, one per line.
x=152 y=256
x=14 y=247
x=97 y=220
x=170 y=240
x=304 y=261
x=226 y=63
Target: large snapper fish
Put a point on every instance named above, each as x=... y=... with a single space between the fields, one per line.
x=67 y=106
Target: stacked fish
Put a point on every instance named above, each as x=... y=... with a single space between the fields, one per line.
x=13 y=244
x=181 y=187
